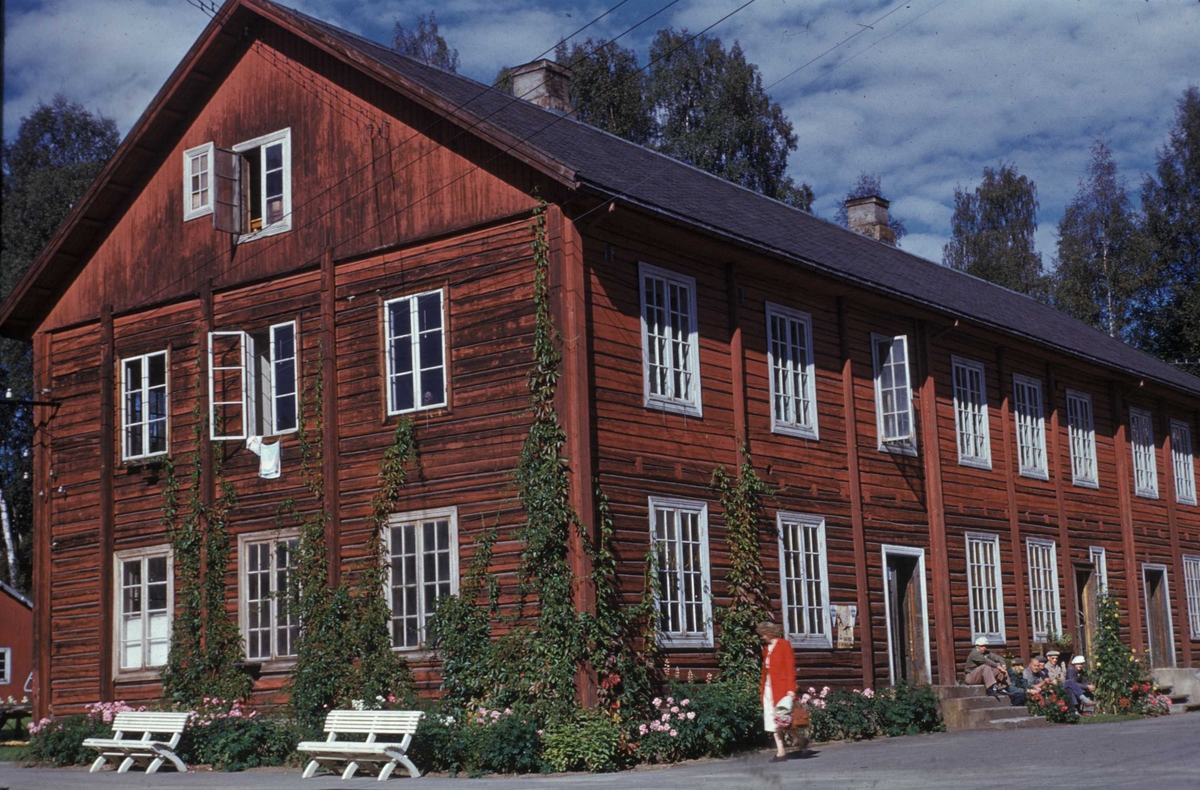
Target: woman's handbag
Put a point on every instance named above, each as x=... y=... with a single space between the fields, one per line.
x=786 y=714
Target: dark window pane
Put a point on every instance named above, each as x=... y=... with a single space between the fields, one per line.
x=285 y=341
x=401 y=355
x=402 y=392
x=274 y=156
x=275 y=183
x=285 y=377
x=285 y=413
x=431 y=349
x=398 y=316
x=433 y=391
x=429 y=311
x=158 y=370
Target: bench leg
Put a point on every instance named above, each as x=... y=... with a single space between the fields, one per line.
x=412 y=769
x=126 y=764
x=180 y=766
x=98 y=764
x=310 y=769
x=155 y=764
x=387 y=771
x=351 y=767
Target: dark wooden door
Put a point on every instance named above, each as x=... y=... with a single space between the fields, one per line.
x=1086 y=588
x=906 y=619
x=1158 y=619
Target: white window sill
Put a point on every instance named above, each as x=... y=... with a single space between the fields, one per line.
x=137 y=675
x=1146 y=494
x=810 y=642
x=674 y=406
x=685 y=640
x=283 y=226
x=1035 y=474
x=138 y=460
x=895 y=448
x=1191 y=502
x=197 y=214
x=976 y=463
x=1084 y=483
x=798 y=431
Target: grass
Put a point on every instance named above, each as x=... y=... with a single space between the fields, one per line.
x=1105 y=718
x=14 y=753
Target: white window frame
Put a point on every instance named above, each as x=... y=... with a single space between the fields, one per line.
x=972 y=410
x=1044 y=601
x=190 y=213
x=6 y=675
x=417 y=367
x=804 y=638
x=786 y=375
x=1191 y=586
x=1099 y=558
x=1081 y=433
x=252 y=384
x=903 y=445
x=1031 y=418
x=1145 y=465
x=690 y=405
x=126 y=450
x=684 y=638
x=1183 y=462
x=119 y=558
x=284 y=224
x=272 y=537
x=244 y=369
x=997 y=637
x=274 y=361
x=418 y=517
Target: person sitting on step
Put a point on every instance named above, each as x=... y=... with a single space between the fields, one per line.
x=1077 y=685
x=986 y=668
x=1056 y=670
x=1035 y=675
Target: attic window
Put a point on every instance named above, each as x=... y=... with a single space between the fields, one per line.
x=197 y=181
x=253 y=184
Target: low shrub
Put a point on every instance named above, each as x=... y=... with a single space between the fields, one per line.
x=1053 y=702
x=699 y=720
x=908 y=710
x=228 y=737
x=859 y=715
x=502 y=742
x=588 y=740
x=59 y=742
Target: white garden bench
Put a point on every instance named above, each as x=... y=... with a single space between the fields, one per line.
x=372 y=754
x=144 y=751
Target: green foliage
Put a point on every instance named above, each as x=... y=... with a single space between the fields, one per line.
x=739 y=649
x=853 y=715
x=227 y=737
x=869 y=184
x=1102 y=253
x=1121 y=680
x=608 y=88
x=698 y=720
x=60 y=742
x=992 y=232
x=590 y=739
x=424 y=43
x=1169 y=306
x=1052 y=702
x=477 y=741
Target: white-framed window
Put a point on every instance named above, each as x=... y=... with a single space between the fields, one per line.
x=253 y=387
x=145 y=606
x=6 y=664
x=1099 y=558
x=793 y=375
x=1141 y=443
x=1185 y=466
x=265 y=182
x=415 y=340
x=1082 y=431
x=984 y=586
x=893 y=394
x=679 y=529
x=1191 y=583
x=1043 y=588
x=422 y=569
x=971 y=413
x=268 y=600
x=145 y=395
x=1031 y=427
x=670 y=340
x=197 y=182
x=804 y=579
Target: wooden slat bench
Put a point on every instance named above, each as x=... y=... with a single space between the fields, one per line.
x=144 y=751
x=371 y=754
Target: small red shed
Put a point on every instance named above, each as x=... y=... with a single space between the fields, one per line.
x=16 y=645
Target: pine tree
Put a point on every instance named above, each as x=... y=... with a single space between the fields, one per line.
x=425 y=43
x=993 y=229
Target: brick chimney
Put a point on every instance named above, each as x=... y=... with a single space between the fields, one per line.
x=545 y=83
x=869 y=216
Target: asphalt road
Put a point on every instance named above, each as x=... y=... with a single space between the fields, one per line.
x=1150 y=754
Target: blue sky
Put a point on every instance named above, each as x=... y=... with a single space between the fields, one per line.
x=926 y=94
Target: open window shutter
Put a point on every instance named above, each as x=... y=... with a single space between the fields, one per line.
x=906 y=436
x=228 y=202
x=228 y=367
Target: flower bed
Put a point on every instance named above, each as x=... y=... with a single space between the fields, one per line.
x=859 y=715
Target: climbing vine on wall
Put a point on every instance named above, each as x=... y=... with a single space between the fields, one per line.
x=738 y=646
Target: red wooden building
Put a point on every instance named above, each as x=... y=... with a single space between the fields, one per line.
x=951 y=459
x=16 y=645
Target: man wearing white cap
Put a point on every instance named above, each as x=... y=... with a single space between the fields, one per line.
x=1076 y=684
x=986 y=668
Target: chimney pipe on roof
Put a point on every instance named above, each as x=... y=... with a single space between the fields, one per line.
x=869 y=216
x=545 y=83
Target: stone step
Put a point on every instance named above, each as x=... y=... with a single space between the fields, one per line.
x=1179 y=699
x=974 y=703
x=957 y=692
x=1015 y=723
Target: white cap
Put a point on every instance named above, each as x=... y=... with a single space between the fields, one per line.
x=1078 y=660
x=981 y=641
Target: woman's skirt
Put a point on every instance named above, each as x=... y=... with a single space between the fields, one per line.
x=768 y=709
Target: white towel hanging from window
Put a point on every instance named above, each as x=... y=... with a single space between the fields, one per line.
x=268 y=456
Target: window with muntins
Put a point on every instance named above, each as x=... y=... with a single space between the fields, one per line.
x=5 y=666
x=983 y=580
x=1043 y=588
x=197 y=182
x=1031 y=427
x=804 y=579
x=252 y=380
x=145 y=606
x=893 y=394
x=144 y=394
x=680 y=532
x=422 y=569
x=269 y=599
x=1099 y=558
x=1184 y=465
x=793 y=383
x=970 y=414
x=1083 y=439
x=671 y=359
x=1141 y=443
x=265 y=180
x=416 y=352
x=1191 y=583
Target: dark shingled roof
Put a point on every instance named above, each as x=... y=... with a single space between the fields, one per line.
x=619 y=167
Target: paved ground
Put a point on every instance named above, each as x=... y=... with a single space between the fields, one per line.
x=1151 y=754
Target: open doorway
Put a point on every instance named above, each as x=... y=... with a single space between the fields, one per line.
x=1158 y=616
x=907 y=614
x=1087 y=590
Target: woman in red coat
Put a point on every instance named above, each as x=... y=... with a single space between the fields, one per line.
x=778 y=679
